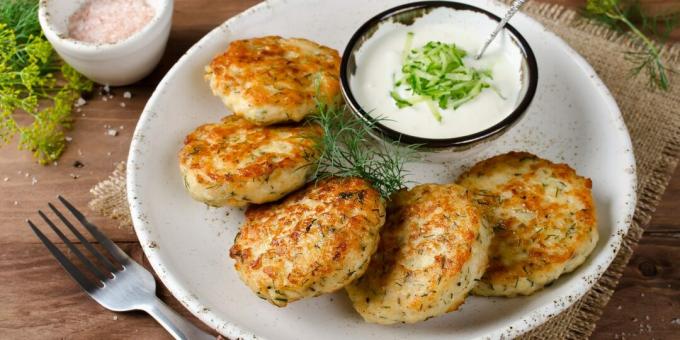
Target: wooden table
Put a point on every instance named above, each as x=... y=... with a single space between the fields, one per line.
x=38 y=300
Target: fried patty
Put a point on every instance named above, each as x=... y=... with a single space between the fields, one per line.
x=543 y=219
x=433 y=248
x=315 y=241
x=270 y=79
x=235 y=162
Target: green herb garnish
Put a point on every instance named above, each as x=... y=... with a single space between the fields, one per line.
x=621 y=15
x=347 y=150
x=34 y=81
x=436 y=74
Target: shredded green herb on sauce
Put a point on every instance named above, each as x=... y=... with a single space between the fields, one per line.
x=435 y=74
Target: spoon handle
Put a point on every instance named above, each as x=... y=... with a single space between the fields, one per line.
x=516 y=5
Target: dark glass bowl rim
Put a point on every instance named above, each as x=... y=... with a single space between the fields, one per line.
x=460 y=141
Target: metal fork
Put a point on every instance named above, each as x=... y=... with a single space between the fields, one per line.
x=121 y=286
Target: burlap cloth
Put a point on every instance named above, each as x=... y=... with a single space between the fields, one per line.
x=652 y=117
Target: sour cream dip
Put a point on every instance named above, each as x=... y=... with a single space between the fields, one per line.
x=379 y=63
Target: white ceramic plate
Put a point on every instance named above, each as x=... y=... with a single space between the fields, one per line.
x=573 y=119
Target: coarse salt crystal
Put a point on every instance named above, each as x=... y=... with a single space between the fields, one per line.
x=112 y=132
x=80 y=102
x=109 y=21
x=127 y=95
x=122 y=104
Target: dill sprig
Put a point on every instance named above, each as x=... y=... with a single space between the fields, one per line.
x=621 y=15
x=33 y=80
x=22 y=16
x=347 y=150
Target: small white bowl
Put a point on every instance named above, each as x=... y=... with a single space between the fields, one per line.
x=120 y=63
x=437 y=149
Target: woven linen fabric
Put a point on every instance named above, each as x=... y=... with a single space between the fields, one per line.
x=653 y=120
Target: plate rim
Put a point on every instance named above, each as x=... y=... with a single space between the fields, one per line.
x=522 y=325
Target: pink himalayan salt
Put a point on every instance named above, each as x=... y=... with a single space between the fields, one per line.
x=109 y=21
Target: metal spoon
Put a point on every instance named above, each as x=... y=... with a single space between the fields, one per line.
x=516 y=5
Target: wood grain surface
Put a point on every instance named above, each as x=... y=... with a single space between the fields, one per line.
x=38 y=299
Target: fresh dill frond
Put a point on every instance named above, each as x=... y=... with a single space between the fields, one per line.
x=347 y=150
x=22 y=16
x=34 y=81
x=621 y=15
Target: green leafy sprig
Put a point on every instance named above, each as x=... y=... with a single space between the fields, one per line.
x=622 y=15
x=33 y=80
x=347 y=150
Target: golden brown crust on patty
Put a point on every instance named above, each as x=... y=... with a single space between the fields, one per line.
x=543 y=216
x=271 y=79
x=315 y=241
x=433 y=248
x=235 y=162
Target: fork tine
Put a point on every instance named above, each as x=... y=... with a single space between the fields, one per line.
x=86 y=262
x=65 y=263
x=102 y=259
x=116 y=252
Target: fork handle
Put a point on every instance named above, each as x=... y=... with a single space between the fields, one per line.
x=175 y=324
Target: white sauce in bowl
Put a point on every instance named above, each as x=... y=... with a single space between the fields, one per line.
x=379 y=63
